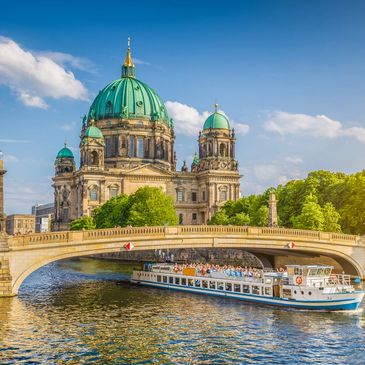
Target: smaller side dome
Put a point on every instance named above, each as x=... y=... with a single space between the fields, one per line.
x=93 y=132
x=65 y=153
x=216 y=121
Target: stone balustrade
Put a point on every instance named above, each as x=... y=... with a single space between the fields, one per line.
x=255 y=232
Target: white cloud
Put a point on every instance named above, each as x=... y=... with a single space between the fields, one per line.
x=294 y=159
x=68 y=126
x=34 y=101
x=65 y=59
x=319 y=126
x=33 y=77
x=188 y=120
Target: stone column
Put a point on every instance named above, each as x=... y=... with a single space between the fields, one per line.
x=2 y=215
x=273 y=214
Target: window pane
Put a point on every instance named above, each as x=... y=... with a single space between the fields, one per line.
x=131 y=146
x=140 y=147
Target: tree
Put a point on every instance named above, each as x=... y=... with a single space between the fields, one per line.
x=82 y=223
x=311 y=216
x=113 y=213
x=219 y=218
x=331 y=218
x=261 y=217
x=152 y=207
x=240 y=219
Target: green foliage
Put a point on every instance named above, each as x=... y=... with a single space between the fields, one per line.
x=113 y=213
x=324 y=200
x=82 y=223
x=147 y=206
x=219 y=218
x=331 y=218
x=311 y=216
x=152 y=207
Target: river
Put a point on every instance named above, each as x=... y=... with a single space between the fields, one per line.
x=83 y=311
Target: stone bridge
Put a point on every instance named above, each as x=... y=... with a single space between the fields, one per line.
x=22 y=255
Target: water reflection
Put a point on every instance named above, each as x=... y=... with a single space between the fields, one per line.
x=83 y=312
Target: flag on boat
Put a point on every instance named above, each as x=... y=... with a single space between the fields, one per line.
x=291 y=245
x=129 y=246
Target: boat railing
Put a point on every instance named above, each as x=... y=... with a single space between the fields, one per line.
x=338 y=279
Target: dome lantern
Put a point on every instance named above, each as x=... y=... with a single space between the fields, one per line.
x=128 y=68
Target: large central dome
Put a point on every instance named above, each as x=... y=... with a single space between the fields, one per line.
x=129 y=98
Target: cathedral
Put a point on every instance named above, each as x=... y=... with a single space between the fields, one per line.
x=127 y=141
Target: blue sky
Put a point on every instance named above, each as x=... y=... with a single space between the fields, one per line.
x=289 y=74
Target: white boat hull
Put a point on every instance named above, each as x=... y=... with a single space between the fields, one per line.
x=338 y=301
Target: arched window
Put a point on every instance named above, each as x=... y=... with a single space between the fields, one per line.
x=140 y=147
x=210 y=149
x=131 y=146
x=223 y=195
x=222 y=149
x=113 y=191
x=204 y=153
x=94 y=160
x=94 y=193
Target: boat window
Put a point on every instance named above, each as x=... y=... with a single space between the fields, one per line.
x=177 y=281
x=320 y=272
x=237 y=288
x=290 y=271
x=327 y=271
x=286 y=293
x=312 y=272
x=255 y=289
x=229 y=286
x=298 y=271
x=204 y=284
x=183 y=281
x=171 y=279
x=268 y=281
x=191 y=282
x=164 y=278
x=268 y=291
x=212 y=285
x=197 y=283
x=220 y=285
x=159 y=278
x=246 y=289
x=310 y=293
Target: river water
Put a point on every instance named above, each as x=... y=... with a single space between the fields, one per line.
x=83 y=312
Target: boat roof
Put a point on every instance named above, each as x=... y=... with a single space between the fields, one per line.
x=312 y=266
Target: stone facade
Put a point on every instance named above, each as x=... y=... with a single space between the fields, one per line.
x=18 y=224
x=125 y=146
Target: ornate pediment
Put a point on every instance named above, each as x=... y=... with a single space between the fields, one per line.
x=149 y=170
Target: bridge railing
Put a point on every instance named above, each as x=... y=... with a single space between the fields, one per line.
x=110 y=233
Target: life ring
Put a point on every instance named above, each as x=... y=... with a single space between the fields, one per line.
x=299 y=280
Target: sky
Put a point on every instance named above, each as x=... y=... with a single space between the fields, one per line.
x=290 y=75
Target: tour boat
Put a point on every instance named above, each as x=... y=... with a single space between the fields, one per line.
x=300 y=286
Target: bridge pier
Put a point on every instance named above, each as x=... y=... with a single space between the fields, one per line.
x=5 y=276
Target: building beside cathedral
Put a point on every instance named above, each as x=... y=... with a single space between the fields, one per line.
x=127 y=141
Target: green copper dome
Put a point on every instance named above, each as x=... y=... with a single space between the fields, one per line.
x=93 y=132
x=216 y=121
x=129 y=98
x=65 y=153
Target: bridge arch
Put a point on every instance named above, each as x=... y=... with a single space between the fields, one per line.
x=28 y=253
